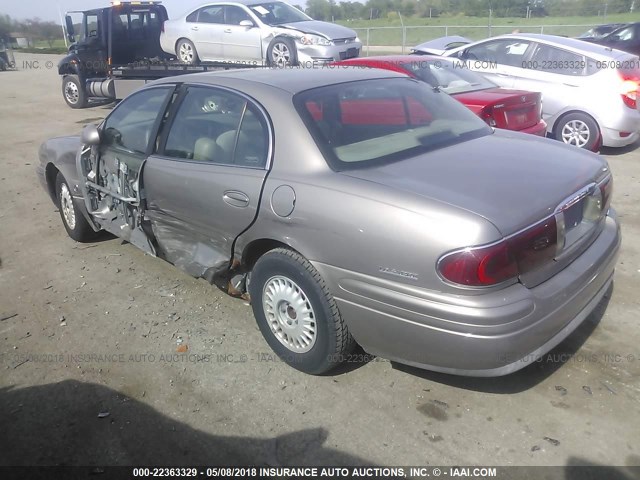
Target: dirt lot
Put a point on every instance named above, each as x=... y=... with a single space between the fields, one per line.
x=91 y=329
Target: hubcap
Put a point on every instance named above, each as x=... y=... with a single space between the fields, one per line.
x=66 y=204
x=281 y=54
x=71 y=92
x=289 y=314
x=576 y=132
x=186 y=53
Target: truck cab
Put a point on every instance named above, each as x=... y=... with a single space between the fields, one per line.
x=103 y=38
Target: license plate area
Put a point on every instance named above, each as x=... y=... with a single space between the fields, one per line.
x=578 y=218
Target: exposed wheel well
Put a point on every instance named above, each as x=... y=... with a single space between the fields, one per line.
x=175 y=47
x=257 y=248
x=50 y=174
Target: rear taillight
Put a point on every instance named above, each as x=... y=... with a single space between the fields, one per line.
x=487 y=116
x=629 y=87
x=497 y=263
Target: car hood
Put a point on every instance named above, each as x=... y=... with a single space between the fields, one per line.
x=316 y=27
x=513 y=180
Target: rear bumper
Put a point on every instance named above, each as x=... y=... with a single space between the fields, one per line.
x=612 y=138
x=488 y=334
x=539 y=129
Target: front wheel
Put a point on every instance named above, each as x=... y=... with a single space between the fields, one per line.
x=74 y=223
x=296 y=314
x=580 y=130
x=73 y=92
x=282 y=52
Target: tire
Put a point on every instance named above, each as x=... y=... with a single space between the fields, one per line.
x=282 y=53
x=580 y=130
x=74 y=222
x=280 y=278
x=186 y=52
x=73 y=91
x=3 y=65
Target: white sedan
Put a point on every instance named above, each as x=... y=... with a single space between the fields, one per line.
x=588 y=91
x=257 y=32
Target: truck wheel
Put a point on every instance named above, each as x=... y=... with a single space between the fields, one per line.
x=186 y=52
x=74 y=222
x=73 y=92
x=580 y=130
x=296 y=314
x=3 y=65
x=282 y=53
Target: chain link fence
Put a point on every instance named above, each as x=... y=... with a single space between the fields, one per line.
x=376 y=40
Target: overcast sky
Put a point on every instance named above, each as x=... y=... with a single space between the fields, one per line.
x=48 y=9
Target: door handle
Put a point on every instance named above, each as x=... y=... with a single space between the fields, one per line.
x=228 y=30
x=235 y=198
x=194 y=28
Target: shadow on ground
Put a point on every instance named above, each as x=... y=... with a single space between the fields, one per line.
x=58 y=424
x=533 y=374
x=614 y=152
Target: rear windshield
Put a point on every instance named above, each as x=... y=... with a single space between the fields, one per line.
x=448 y=76
x=372 y=122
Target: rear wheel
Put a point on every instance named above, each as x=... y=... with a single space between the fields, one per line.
x=73 y=91
x=186 y=52
x=74 y=222
x=296 y=314
x=580 y=130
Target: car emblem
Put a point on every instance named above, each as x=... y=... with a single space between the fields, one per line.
x=524 y=99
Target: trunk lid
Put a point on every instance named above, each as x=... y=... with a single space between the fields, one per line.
x=509 y=109
x=512 y=180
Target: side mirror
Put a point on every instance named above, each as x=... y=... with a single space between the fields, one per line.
x=71 y=34
x=246 y=23
x=90 y=135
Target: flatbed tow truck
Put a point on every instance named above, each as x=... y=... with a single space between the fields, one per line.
x=117 y=51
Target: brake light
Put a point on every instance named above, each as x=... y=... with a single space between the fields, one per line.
x=629 y=87
x=487 y=116
x=493 y=264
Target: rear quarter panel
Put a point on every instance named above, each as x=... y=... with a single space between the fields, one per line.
x=351 y=223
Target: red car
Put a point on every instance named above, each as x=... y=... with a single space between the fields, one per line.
x=500 y=107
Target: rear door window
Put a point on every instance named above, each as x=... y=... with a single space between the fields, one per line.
x=556 y=60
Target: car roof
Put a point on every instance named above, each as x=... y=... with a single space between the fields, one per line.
x=405 y=58
x=241 y=2
x=291 y=80
x=581 y=46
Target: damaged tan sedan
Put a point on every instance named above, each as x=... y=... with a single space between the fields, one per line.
x=351 y=205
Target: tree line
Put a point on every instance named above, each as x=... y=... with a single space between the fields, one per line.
x=33 y=29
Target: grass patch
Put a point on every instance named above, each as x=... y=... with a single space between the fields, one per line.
x=51 y=50
x=388 y=31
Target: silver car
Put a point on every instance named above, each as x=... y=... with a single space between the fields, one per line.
x=351 y=205
x=588 y=91
x=256 y=32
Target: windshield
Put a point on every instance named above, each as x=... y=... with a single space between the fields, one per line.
x=372 y=122
x=450 y=77
x=278 y=13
